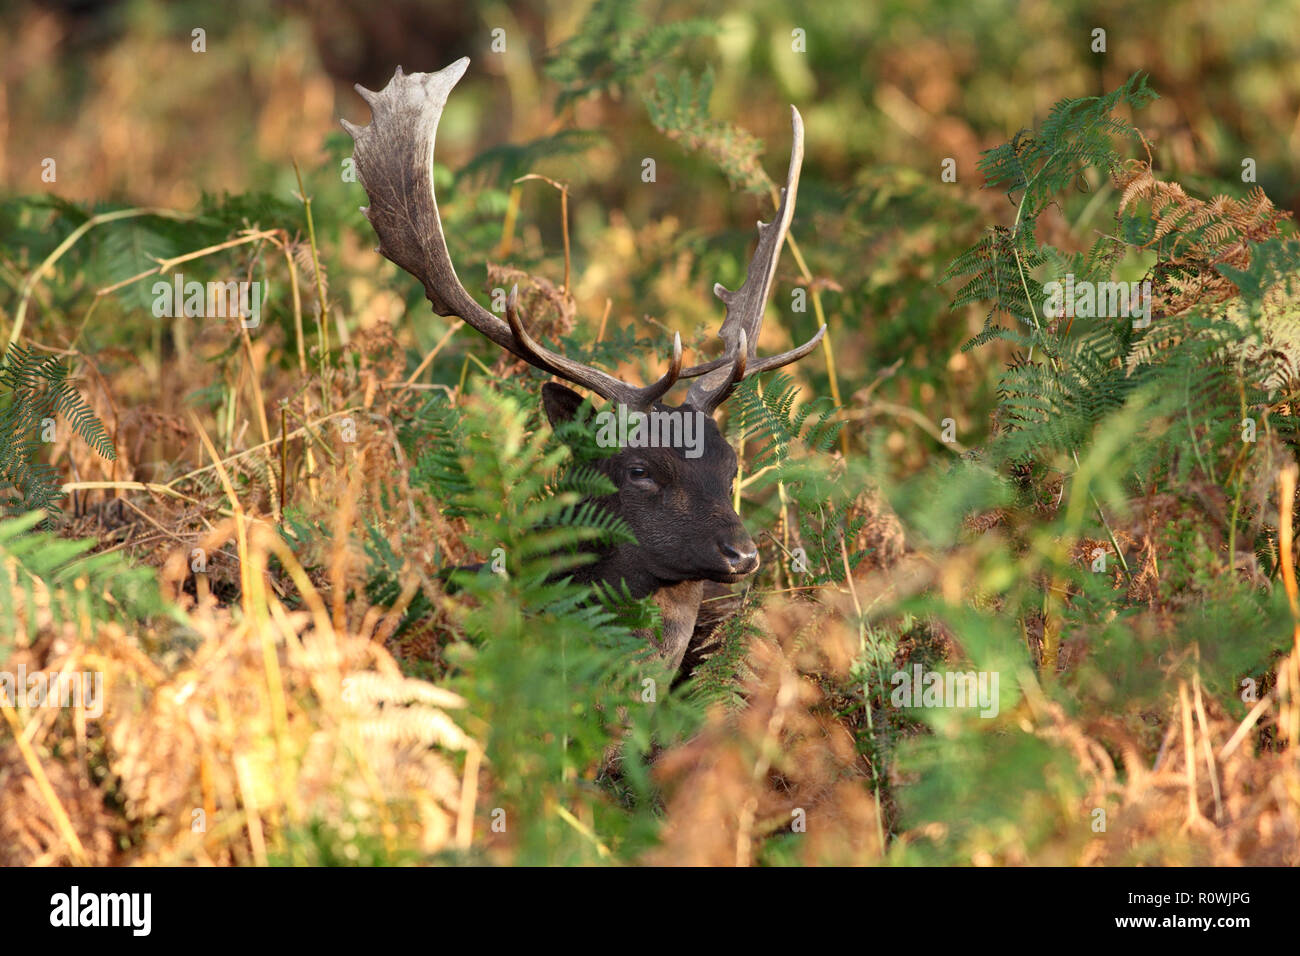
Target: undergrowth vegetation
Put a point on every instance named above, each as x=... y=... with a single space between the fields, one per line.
x=250 y=530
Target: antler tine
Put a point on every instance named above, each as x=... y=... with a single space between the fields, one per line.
x=533 y=352
x=709 y=403
x=787 y=358
x=394 y=158
x=652 y=393
x=744 y=319
x=741 y=369
x=537 y=354
x=709 y=366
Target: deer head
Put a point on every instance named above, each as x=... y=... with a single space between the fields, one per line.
x=677 y=500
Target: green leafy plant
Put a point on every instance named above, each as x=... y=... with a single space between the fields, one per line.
x=46 y=574
x=38 y=388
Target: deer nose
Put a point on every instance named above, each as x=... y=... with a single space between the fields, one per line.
x=741 y=557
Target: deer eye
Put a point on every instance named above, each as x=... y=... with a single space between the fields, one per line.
x=639 y=475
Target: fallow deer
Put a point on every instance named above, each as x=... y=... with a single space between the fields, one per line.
x=679 y=507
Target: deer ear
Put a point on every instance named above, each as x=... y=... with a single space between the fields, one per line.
x=560 y=403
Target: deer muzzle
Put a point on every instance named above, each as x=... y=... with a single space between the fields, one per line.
x=739 y=555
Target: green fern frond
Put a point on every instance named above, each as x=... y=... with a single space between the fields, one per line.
x=614 y=46
x=681 y=112
x=37 y=389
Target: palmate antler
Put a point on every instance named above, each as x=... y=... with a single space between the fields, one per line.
x=394 y=157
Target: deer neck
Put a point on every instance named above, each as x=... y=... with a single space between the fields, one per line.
x=620 y=563
x=678 y=601
x=679 y=606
